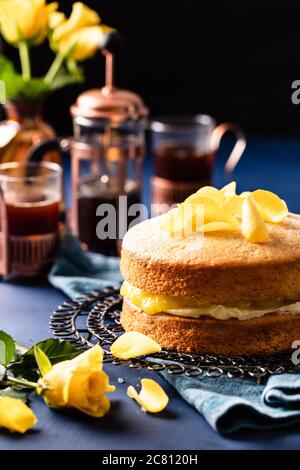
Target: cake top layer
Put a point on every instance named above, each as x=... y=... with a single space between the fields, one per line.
x=148 y=241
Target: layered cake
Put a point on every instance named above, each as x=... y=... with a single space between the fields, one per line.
x=228 y=284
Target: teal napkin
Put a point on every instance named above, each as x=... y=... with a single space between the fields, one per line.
x=77 y=272
x=228 y=405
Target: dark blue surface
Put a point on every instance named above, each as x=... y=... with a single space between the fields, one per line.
x=25 y=310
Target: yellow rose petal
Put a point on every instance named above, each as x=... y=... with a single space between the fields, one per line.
x=171 y=222
x=211 y=193
x=245 y=194
x=233 y=205
x=133 y=344
x=270 y=206
x=92 y=358
x=152 y=397
x=218 y=227
x=216 y=214
x=229 y=189
x=16 y=415
x=253 y=226
x=185 y=220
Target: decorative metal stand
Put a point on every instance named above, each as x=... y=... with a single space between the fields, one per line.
x=95 y=318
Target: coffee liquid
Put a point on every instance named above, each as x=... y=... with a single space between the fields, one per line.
x=88 y=220
x=32 y=218
x=184 y=164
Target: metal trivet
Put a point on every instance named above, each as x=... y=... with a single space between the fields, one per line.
x=95 y=318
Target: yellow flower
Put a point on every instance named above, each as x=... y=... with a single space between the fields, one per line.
x=84 y=43
x=79 y=36
x=79 y=383
x=81 y=17
x=25 y=20
x=55 y=19
x=15 y=415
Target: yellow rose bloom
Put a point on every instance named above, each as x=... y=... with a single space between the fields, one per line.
x=15 y=415
x=80 y=17
x=25 y=20
x=79 y=383
x=83 y=43
x=79 y=36
x=55 y=19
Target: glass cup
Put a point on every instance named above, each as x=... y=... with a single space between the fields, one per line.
x=30 y=200
x=184 y=152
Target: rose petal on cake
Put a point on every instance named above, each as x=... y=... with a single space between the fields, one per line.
x=233 y=205
x=211 y=193
x=216 y=214
x=229 y=189
x=218 y=227
x=185 y=220
x=152 y=397
x=270 y=206
x=198 y=199
x=172 y=223
x=133 y=344
x=245 y=194
x=253 y=226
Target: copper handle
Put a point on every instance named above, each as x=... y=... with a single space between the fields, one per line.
x=238 y=148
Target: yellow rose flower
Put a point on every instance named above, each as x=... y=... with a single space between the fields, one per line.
x=79 y=383
x=79 y=36
x=84 y=43
x=15 y=415
x=25 y=20
x=80 y=17
x=55 y=19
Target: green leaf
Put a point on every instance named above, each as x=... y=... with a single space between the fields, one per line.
x=7 y=348
x=65 y=77
x=42 y=361
x=55 y=349
x=13 y=81
x=18 y=89
x=33 y=90
x=21 y=349
x=13 y=393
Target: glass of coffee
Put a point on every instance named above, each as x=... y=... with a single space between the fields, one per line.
x=184 y=151
x=30 y=199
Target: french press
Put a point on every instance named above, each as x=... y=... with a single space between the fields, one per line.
x=107 y=153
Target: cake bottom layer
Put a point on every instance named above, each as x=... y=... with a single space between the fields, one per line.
x=264 y=335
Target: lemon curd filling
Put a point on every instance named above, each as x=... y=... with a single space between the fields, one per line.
x=194 y=308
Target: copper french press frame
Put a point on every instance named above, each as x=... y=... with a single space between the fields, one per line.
x=116 y=106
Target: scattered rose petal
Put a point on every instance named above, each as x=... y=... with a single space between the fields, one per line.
x=133 y=344
x=15 y=415
x=152 y=397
